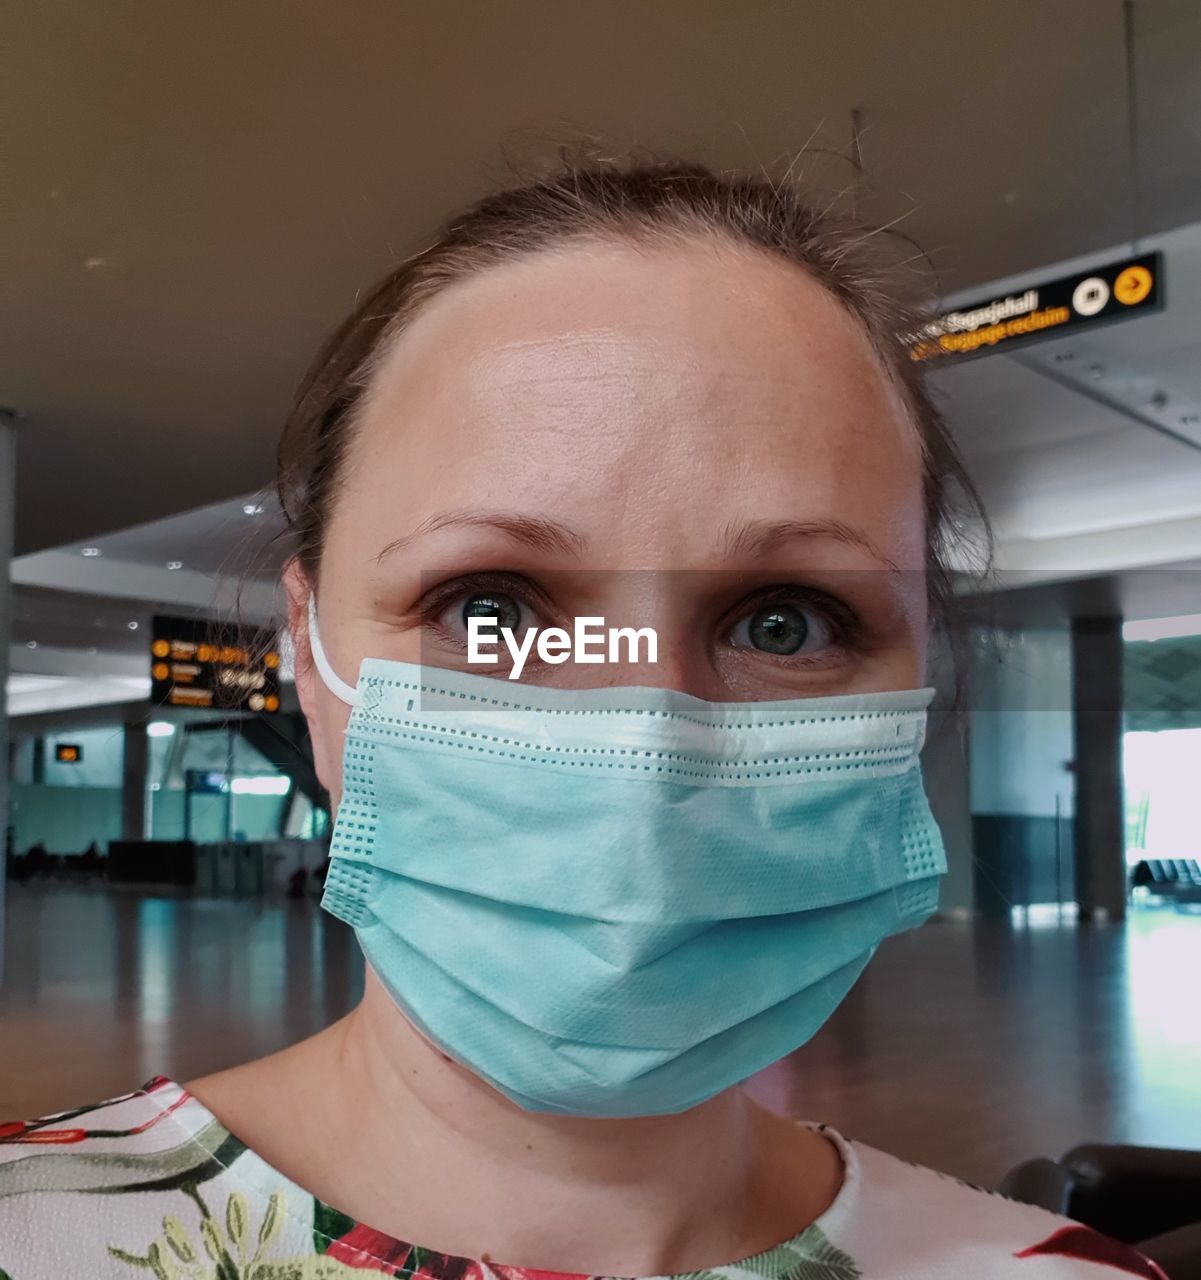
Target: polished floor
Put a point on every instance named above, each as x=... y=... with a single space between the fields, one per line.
x=964 y=1047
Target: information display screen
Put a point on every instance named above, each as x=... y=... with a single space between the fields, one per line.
x=194 y=663
x=1116 y=291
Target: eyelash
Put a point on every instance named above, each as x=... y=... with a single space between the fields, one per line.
x=844 y=624
x=521 y=588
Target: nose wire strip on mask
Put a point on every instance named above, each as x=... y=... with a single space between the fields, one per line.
x=333 y=682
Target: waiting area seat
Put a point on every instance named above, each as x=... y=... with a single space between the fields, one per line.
x=1175 y=878
x=1149 y=1197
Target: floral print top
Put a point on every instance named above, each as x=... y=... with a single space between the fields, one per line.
x=153 y=1185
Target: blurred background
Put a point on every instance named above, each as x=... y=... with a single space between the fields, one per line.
x=194 y=194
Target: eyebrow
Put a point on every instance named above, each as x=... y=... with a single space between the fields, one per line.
x=760 y=537
x=531 y=531
x=755 y=538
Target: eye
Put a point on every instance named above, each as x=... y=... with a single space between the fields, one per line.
x=783 y=629
x=495 y=605
x=509 y=599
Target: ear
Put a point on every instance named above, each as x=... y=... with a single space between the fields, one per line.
x=320 y=707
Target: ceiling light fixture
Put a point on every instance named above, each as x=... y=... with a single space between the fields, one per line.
x=133 y=626
x=174 y=564
x=31 y=644
x=261 y=785
x=252 y=508
x=91 y=551
x=160 y=729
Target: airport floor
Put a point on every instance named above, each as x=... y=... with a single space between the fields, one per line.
x=967 y=1047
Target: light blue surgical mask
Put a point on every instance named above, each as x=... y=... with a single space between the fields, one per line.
x=619 y=902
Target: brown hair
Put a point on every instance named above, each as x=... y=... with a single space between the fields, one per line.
x=593 y=199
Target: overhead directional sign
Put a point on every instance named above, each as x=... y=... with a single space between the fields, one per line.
x=192 y=664
x=1115 y=291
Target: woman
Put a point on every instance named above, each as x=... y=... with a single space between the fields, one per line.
x=595 y=899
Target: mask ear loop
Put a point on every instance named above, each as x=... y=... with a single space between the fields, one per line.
x=329 y=677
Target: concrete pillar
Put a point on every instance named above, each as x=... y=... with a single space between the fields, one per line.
x=8 y=497
x=1097 y=730
x=134 y=766
x=945 y=770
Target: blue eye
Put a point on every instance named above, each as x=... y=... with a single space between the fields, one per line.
x=493 y=604
x=782 y=629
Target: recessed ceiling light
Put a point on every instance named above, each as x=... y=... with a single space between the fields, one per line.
x=93 y=651
x=31 y=644
x=133 y=626
x=174 y=564
x=252 y=508
x=91 y=551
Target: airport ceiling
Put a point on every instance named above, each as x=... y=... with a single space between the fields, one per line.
x=194 y=193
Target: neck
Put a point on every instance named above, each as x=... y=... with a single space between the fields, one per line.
x=431 y=1154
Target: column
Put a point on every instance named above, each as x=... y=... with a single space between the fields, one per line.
x=133 y=782
x=1100 y=836
x=945 y=770
x=8 y=496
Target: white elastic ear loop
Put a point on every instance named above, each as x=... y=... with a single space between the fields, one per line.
x=330 y=678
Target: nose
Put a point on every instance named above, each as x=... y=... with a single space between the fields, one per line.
x=648 y=637
x=678 y=666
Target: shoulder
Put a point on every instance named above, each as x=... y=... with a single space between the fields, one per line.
x=896 y=1218
x=148 y=1130
x=146 y=1182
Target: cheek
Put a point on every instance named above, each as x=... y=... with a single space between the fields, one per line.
x=334 y=716
x=917 y=609
x=327 y=719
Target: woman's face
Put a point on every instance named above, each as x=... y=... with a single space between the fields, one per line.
x=695 y=438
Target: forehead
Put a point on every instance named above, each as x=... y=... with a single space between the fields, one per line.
x=692 y=315
x=647 y=381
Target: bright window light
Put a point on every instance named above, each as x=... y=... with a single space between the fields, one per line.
x=1161 y=772
x=1162 y=628
x=160 y=729
x=272 y=784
